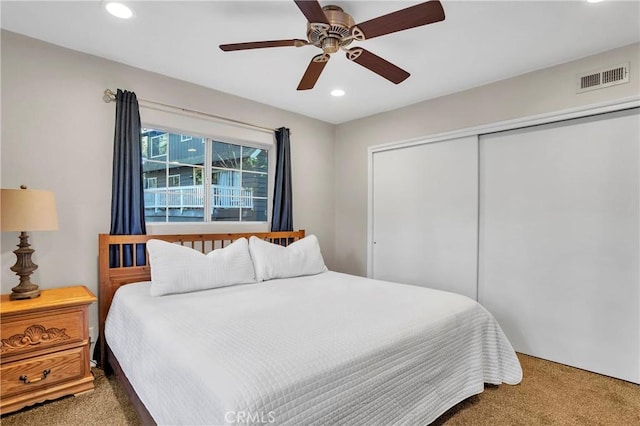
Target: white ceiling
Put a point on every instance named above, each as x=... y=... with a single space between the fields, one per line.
x=477 y=43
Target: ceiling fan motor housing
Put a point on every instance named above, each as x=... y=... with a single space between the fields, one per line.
x=330 y=37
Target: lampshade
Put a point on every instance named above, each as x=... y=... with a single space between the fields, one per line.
x=27 y=210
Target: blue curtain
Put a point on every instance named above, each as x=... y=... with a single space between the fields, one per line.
x=283 y=196
x=127 y=196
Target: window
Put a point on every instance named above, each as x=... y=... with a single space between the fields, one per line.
x=193 y=179
x=159 y=145
x=197 y=177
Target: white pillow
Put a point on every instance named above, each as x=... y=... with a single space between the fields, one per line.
x=275 y=261
x=179 y=269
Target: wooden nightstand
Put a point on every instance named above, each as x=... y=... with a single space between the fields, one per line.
x=44 y=351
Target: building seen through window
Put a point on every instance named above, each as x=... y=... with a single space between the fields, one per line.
x=194 y=179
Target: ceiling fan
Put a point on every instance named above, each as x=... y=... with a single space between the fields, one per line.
x=330 y=28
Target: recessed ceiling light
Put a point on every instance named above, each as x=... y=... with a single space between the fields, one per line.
x=337 y=92
x=118 y=10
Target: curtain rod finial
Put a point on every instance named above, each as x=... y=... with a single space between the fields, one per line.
x=109 y=96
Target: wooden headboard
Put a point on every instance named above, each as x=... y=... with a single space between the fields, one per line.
x=111 y=278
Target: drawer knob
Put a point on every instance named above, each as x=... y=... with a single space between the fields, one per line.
x=26 y=380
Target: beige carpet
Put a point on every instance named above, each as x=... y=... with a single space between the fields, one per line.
x=550 y=394
x=106 y=405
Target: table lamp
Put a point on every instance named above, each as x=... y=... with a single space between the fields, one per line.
x=26 y=210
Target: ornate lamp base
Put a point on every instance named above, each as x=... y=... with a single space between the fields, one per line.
x=19 y=295
x=24 y=267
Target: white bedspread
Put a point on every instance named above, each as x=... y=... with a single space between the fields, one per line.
x=328 y=349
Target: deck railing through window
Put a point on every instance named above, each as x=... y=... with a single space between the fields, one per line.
x=183 y=197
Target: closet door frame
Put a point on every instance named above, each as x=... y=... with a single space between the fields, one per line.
x=546 y=118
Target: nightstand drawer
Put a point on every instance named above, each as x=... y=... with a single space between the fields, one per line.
x=43 y=371
x=40 y=331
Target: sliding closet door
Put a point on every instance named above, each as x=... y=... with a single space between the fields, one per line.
x=425 y=215
x=559 y=240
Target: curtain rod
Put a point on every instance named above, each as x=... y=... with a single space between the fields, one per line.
x=110 y=96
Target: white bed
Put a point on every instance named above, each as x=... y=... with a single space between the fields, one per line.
x=326 y=349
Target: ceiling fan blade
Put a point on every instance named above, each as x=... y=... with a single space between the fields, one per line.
x=312 y=10
x=404 y=19
x=263 y=44
x=313 y=71
x=378 y=65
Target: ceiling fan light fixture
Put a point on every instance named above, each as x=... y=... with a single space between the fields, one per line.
x=119 y=10
x=337 y=92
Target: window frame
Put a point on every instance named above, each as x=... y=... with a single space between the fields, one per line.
x=157 y=137
x=195 y=176
x=169 y=185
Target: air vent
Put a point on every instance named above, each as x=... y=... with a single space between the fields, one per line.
x=605 y=77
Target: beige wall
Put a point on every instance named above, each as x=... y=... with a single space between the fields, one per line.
x=548 y=90
x=57 y=134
